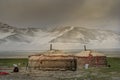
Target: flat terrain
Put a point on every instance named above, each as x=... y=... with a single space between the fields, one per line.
x=102 y=73
x=8 y=62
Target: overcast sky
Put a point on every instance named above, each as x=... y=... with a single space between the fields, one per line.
x=56 y=13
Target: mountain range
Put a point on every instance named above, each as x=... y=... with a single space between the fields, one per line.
x=35 y=38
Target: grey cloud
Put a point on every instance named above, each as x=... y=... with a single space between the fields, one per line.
x=45 y=11
x=55 y=12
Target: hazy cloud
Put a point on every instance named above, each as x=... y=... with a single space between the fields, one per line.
x=38 y=13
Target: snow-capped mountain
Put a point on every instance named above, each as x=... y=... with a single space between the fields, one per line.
x=12 y=38
x=83 y=35
x=24 y=35
x=74 y=37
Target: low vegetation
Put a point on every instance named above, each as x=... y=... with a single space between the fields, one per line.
x=10 y=61
x=102 y=73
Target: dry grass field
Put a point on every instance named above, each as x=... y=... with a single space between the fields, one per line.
x=102 y=73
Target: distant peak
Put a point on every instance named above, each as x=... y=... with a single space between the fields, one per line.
x=3 y=25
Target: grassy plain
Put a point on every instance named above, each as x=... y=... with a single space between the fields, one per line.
x=93 y=73
x=8 y=62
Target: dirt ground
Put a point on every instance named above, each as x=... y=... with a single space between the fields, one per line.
x=90 y=74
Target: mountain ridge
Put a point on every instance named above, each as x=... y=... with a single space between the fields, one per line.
x=26 y=38
x=84 y=35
